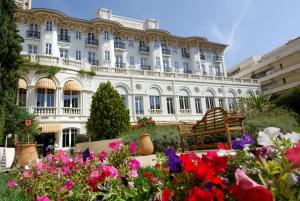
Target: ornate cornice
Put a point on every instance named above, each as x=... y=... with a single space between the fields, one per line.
x=39 y=15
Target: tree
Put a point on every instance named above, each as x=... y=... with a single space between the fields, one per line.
x=108 y=114
x=10 y=61
x=290 y=99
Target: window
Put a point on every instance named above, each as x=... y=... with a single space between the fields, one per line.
x=170 y=106
x=142 y=44
x=157 y=61
x=33 y=27
x=143 y=61
x=217 y=69
x=139 y=108
x=174 y=49
x=184 y=103
x=48 y=48
x=78 y=35
x=78 y=55
x=209 y=100
x=176 y=65
x=231 y=100
x=45 y=98
x=221 y=102
x=119 y=60
x=210 y=70
x=32 y=49
x=68 y=137
x=64 y=34
x=130 y=43
x=166 y=65
x=92 y=58
x=107 y=55
x=106 y=35
x=154 y=102
x=203 y=69
x=71 y=99
x=131 y=60
x=185 y=67
x=64 y=53
x=197 y=65
x=183 y=50
x=48 y=26
x=22 y=97
x=156 y=43
x=198 y=105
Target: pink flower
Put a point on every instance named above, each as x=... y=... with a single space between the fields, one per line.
x=132 y=147
x=42 y=198
x=109 y=171
x=135 y=164
x=11 y=184
x=27 y=122
x=116 y=145
x=103 y=156
x=69 y=185
x=293 y=154
x=133 y=173
x=26 y=174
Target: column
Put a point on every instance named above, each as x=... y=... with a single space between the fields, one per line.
x=30 y=98
x=59 y=100
x=203 y=105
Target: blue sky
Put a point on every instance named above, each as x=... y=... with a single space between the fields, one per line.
x=249 y=27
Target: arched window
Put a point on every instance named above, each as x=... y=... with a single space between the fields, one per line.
x=72 y=90
x=184 y=100
x=22 y=93
x=68 y=137
x=154 y=98
x=124 y=94
x=231 y=99
x=45 y=96
x=209 y=99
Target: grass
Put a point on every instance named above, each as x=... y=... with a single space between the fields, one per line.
x=10 y=194
x=297 y=130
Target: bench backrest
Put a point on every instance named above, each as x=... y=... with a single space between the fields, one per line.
x=212 y=120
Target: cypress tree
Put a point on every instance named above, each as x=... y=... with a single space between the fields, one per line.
x=10 y=61
x=108 y=115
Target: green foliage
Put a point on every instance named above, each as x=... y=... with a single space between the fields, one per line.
x=290 y=100
x=144 y=122
x=10 y=60
x=84 y=72
x=108 y=114
x=81 y=138
x=276 y=117
x=163 y=137
x=16 y=124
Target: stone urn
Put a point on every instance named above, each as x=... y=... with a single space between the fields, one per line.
x=145 y=146
x=26 y=153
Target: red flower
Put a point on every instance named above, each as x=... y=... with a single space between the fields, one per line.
x=293 y=154
x=246 y=189
x=196 y=194
x=148 y=175
x=27 y=122
x=223 y=146
x=166 y=194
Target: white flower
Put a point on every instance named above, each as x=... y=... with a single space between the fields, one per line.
x=267 y=136
x=294 y=137
x=291 y=179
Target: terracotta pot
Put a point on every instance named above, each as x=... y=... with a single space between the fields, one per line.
x=145 y=146
x=26 y=153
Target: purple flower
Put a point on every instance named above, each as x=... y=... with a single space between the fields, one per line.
x=86 y=154
x=238 y=144
x=174 y=162
x=247 y=139
x=48 y=148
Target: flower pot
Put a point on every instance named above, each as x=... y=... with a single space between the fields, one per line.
x=145 y=146
x=26 y=153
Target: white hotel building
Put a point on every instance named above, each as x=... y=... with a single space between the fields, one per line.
x=167 y=77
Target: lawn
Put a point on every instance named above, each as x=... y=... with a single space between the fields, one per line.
x=297 y=130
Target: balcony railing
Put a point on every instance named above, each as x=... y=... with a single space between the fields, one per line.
x=94 y=62
x=187 y=71
x=155 y=111
x=119 y=45
x=120 y=65
x=143 y=49
x=92 y=41
x=45 y=110
x=71 y=111
x=33 y=34
x=166 y=51
x=145 y=67
x=63 y=38
x=217 y=59
x=185 y=55
x=202 y=57
x=185 y=111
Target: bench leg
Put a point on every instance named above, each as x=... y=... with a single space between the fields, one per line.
x=181 y=144
x=228 y=136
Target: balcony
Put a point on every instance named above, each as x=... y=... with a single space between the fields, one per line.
x=71 y=111
x=217 y=59
x=187 y=71
x=33 y=34
x=119 y=45
x=92 y=41
x=120 y=65
x=63 y=38
x=166 y=51
x=145 y=67
x=143 y=49
x=185 y=111
x=202 y=57
x=155 y=111
x=185 y=55
x=93 y=62
x=44 y=111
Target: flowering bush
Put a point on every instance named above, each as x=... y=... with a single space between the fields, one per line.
x=145 y=122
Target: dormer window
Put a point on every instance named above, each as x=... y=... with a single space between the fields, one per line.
x=156 y=43
x=49 y=26
x=106 y=35
x=33 y=27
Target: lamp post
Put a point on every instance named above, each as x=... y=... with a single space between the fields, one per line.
x=8 y=136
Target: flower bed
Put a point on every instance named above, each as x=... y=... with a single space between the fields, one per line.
x=269 y=172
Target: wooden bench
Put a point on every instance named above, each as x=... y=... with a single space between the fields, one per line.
x=215 y=121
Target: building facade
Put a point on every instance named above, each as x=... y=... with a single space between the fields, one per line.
x=167 y=77
x=277 y=71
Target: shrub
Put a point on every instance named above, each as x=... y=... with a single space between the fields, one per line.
x=144 y=122
x=290 y=100
x=81 y=138
x=108 y=114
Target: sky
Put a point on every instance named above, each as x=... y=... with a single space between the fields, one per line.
x=248 y=27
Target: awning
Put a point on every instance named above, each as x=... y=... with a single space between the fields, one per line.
x=50 y=127
x=72 y=85
x=22 y=84
x=45 y=83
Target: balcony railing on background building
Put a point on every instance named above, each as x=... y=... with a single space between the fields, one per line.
x=91 y=41
x=93 y=62
x=185 y=55
x=44 y=110
x=166 y=51
x=71 y=111
x=121 y=65
x=202 y=57
x=155 y=111
x=119 y=45
x=217 y=59
x=143 y=49
x=145 y=67
x=185 y=111
x=63 y=38
x=33 y=34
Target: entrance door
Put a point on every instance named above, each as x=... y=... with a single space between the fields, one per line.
x=43 y=141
